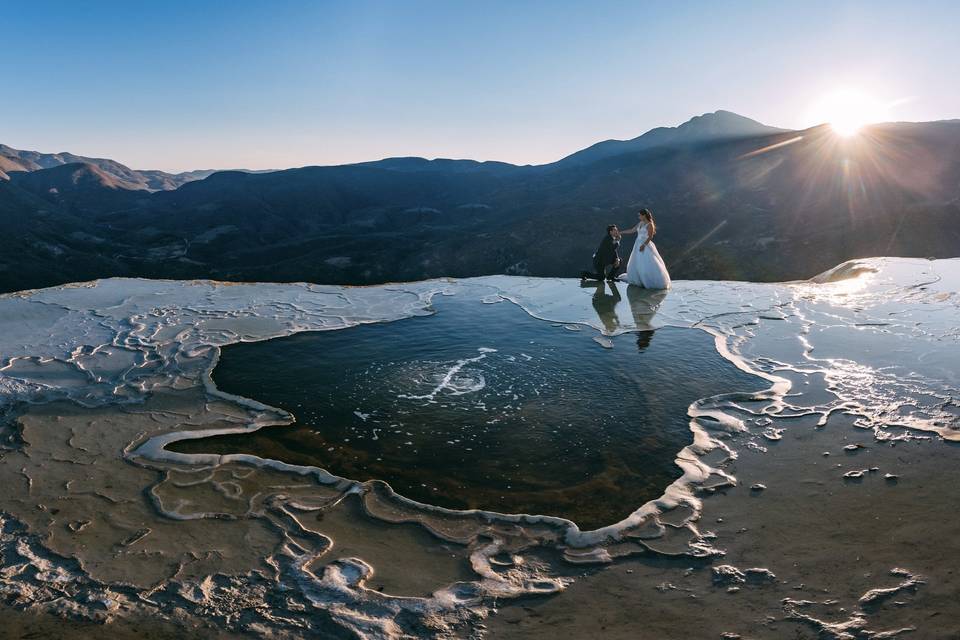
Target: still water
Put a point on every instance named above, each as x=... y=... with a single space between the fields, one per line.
x=483 y=406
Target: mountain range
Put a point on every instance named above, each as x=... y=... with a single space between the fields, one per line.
x=734 y=199
x=12 y=160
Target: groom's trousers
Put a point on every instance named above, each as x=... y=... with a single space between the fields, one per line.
x=599 y=272
x=606 y=271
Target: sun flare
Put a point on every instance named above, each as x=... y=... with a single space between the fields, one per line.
x=849 y=110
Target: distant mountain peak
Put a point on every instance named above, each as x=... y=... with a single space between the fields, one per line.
x=725 y=123
x=716 y=125
x=74 y=176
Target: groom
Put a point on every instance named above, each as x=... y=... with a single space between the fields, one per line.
x=606 y=261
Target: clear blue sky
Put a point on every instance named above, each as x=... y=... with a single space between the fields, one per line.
x=273 y=84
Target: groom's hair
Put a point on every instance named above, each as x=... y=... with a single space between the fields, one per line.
x=611 y=227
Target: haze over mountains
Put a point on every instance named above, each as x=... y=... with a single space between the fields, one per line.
x=734 y=199
x=16 y=160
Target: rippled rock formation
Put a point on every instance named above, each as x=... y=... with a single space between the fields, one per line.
x=101 y=520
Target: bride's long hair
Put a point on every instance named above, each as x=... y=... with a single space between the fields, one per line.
x=646 y=215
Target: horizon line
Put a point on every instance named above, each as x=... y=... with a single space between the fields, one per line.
x=467 y=159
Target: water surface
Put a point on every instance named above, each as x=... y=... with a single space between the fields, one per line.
x=482 y=406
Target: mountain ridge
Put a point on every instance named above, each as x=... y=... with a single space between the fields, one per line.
x=769 y=207
x=714 y=125
x=718 y=124
x=19 y=160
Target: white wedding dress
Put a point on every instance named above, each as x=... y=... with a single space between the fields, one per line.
x=645 y=268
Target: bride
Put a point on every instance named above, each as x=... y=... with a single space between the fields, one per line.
x=645 y=268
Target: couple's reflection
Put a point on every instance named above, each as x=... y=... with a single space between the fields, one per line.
x=643 y=305
x=605 y=304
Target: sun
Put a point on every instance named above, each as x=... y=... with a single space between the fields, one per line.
x=849 y=110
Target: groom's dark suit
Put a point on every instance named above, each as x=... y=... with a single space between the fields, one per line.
x=606 y=261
